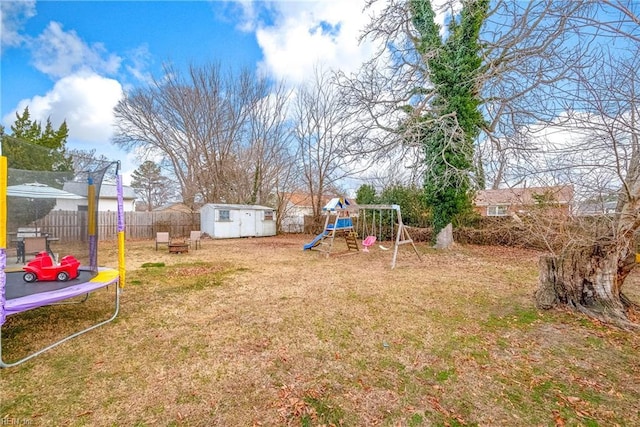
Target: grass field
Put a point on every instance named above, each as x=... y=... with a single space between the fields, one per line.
x=257 y=332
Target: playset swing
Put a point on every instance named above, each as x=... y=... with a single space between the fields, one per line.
x=340 y=210
x=402 y=236
x=371 y=234
x=368 y=242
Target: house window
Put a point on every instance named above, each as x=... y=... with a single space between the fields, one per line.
x=497 y=210
x=268 y=215
x=83 y=208
x=224 y=215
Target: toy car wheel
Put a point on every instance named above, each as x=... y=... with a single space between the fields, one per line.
x=62 y=276
x=30 y=277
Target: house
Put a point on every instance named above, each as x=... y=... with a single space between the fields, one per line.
x=591 y=208
x=224 y=221
x=510 y=201
x=107 y=201
x=298 y=206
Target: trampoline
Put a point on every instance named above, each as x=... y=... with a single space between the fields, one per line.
x=17 y=295
x=22 y=296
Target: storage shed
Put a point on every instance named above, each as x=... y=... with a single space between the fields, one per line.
x=226 y=221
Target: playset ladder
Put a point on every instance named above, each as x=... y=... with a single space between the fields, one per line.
x=352 y=240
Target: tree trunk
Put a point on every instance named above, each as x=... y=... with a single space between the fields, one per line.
x=444 y=240
x=588 y=280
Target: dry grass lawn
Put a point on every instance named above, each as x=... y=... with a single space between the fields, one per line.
x=258 y=332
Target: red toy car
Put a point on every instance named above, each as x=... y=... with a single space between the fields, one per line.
x=42 y=268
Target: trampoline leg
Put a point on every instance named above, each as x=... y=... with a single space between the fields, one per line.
x=4 y=364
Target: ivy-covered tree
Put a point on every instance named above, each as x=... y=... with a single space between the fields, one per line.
x=449 y=129
x=412 y=202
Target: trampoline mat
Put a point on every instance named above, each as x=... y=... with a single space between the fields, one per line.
x=16 y=287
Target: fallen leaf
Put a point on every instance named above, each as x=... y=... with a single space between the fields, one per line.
x=560 y=422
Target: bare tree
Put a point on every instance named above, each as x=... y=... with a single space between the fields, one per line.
x=270 y=155
x=322 y=129
x=205 y=124
x=85 y=160
x=266 y=155
x=543 y=67
x=589 y=271
x=582 y=96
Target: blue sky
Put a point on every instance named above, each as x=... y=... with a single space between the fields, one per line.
x=73 y=60
x=149 y=31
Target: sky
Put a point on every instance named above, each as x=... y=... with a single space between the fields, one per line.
x=73 y=60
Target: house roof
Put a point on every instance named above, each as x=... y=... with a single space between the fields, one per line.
x=107 y=191
x=234 y=206
x=175 y=206
x=36 y=190
x=304 y=199
x=562 y=194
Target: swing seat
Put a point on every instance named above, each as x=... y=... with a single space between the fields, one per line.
x=368 y=242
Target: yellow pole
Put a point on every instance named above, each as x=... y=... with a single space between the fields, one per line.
x=121 y=229
x=121 y=263
x=3 y=199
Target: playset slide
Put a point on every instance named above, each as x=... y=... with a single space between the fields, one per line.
x=316 y=241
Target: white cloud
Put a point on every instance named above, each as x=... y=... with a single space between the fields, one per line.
x=83 y=94
x=85 y=100
x=137 y=64
x=301 y=35
x=246 y=12
x=298 y=35
x=59 y=53
x=13 y=15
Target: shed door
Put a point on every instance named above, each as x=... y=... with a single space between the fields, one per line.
x=247 y=223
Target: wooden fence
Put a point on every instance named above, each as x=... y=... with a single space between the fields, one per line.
x=71 y=226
